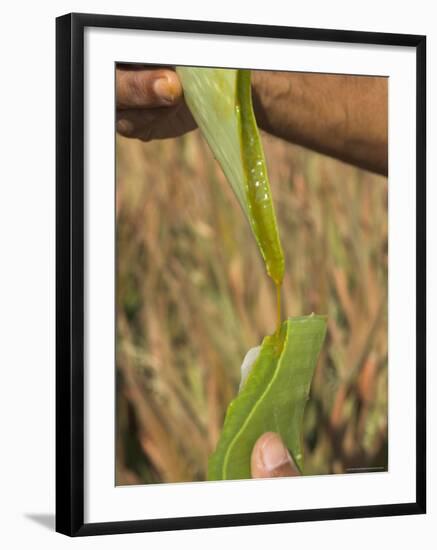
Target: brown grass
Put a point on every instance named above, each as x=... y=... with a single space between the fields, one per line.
x=193 y=296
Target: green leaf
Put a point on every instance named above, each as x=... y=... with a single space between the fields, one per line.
x=272 y=399
x=221 y=103
x=274 y=395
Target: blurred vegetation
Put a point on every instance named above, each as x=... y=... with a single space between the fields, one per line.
x=193 y=297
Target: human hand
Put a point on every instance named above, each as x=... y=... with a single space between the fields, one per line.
x=270 y=458
x=150 y=103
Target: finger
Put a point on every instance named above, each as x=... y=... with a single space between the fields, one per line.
x=270 y=458
x=158 y=123
x=137 y=123
x=147 y=88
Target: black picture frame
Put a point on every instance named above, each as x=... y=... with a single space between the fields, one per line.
x=70 y=273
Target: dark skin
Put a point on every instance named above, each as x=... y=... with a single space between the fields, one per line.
x=341 y=116
x=344 y=117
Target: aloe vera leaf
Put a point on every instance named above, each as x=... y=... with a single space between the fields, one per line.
x=273 y=398
x=221 y=103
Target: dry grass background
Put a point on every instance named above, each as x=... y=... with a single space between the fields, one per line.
x=193 y=297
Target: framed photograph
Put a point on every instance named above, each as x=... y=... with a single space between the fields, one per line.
x=240 y=274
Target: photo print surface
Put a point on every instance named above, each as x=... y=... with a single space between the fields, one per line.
x=251 y=274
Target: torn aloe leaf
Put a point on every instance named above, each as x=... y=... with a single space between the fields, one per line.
x=272 y=399
x=273 y=396
x=221 y=103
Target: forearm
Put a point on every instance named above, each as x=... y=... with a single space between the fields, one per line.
x=341 y=116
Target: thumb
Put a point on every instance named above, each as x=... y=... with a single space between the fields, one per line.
x=270 y=458
x=146 y=88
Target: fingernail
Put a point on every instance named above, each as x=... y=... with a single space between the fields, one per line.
x=274 y=453
x=124 y=127
x=163 y=90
